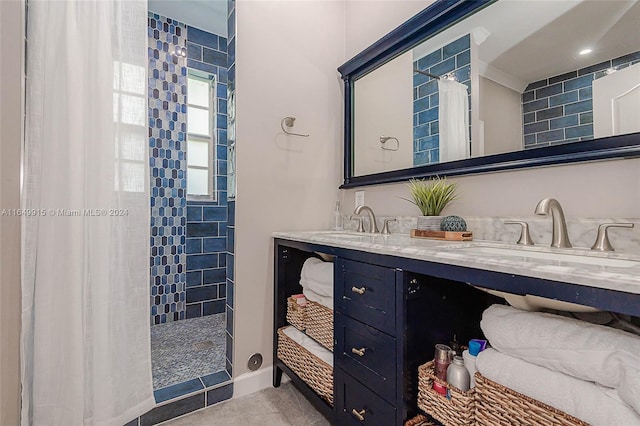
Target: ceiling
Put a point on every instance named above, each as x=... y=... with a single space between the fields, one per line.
x=524 y=41
x=207 y=15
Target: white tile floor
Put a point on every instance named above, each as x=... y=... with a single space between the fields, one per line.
x=283 y=406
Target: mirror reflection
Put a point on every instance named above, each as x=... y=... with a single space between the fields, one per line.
x=515 y=75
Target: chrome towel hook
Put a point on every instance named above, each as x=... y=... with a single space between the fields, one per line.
x=385 y=139
x=288 y=121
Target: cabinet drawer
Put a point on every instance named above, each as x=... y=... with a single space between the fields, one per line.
x=367 y=354
x=367 y=293
x=359 y=406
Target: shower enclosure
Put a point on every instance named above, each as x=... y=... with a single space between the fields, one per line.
x=191 y=279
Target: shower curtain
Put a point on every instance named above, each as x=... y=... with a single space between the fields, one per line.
x=453 y=118
x=85 y=342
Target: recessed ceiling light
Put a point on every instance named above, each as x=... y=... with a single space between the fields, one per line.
x=585 y=51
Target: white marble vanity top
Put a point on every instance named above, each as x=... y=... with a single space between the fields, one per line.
x=617 y=270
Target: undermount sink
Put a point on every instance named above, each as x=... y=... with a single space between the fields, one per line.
x=529 y=302
x=575 y=257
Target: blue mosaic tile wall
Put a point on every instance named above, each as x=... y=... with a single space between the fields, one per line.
x=453 y=59
x=559 y=109
x=167 y=136
x=231 y=206
x=188 y=259
x=207 y=221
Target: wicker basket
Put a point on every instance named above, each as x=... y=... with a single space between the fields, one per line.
x=419 y=420
x=319 y=324
x=312 y=370
x=500 y=405
x=459 y=410
x=296 y=314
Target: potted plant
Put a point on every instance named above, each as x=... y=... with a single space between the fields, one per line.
x=431 y=196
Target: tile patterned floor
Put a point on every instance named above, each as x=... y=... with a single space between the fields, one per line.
x=283 y=406
x=187 y=349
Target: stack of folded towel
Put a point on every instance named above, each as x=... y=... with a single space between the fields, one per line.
x=309 y=344
x=316 y=280
x=589 y=371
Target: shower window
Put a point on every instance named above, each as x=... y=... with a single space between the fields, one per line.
x=129 y=108
x=200 y=140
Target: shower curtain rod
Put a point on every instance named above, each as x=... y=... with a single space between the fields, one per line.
x=426 y=73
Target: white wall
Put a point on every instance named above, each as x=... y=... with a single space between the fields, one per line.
x=501 y=112
x=368 y=20
x=11 y=48
x=604 y=189
x=384 y=107
x=287 y=56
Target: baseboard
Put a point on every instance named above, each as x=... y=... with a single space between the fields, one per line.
x=248 y=383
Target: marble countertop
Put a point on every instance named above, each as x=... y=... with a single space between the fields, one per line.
x=577 y=266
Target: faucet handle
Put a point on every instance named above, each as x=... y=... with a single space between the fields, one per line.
x=602 y=240
x=385 y=227
x=525 y=238
x=360 y=222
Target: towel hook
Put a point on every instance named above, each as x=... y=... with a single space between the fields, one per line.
x=385 y=139
x=288 y=121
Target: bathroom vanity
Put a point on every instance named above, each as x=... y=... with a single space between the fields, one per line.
x=395 y=297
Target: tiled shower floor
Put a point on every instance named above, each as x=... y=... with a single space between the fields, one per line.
x=187 y=349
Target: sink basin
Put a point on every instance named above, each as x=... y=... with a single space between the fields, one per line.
x=529 y=302
x=578 y=258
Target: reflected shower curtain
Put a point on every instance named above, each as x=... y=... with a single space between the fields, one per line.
x=453 y=117
x=85 y=298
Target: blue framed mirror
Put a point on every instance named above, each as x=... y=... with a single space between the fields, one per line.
x=468 y=87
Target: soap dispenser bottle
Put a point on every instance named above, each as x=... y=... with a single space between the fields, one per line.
x=336 y=222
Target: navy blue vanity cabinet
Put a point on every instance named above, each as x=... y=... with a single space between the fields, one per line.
x=387 y=321
x=366 y=350
x=388 y=316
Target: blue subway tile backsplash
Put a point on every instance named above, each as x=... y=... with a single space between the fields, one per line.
x=559 y=109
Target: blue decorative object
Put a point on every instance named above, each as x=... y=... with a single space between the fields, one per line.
x=453 y=223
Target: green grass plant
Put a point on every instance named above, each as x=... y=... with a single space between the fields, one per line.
x=431 y=195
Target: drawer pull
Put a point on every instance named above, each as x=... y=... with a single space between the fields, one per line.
x=359 y=414
x=360 y=290
x=359 y=352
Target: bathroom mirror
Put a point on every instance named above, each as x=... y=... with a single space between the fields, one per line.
x=473 y=87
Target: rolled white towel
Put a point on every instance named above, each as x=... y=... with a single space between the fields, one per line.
x=318 y=298
x=317 y=276
x=587 y=401
x=586 y=351
x=309 y=344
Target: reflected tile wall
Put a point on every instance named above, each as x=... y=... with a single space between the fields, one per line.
x=559 y=109
x=452 y=59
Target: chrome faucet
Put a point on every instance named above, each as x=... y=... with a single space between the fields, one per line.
x=373 y=227
x=559 y=235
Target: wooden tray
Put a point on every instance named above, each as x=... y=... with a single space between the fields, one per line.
x=442 y=235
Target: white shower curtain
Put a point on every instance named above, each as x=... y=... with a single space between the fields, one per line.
x=453 y=117
x=85 y=291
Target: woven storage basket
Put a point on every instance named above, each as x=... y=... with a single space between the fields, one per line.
x=419 y=420
x=319 y=324
x=500 y=405
x=312 y=370
x=296 y=314
x=457 y=411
